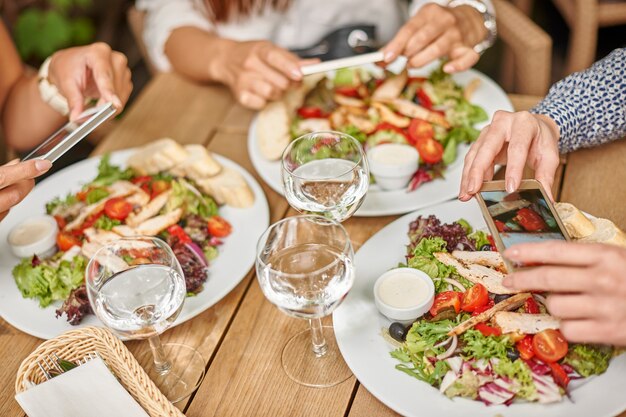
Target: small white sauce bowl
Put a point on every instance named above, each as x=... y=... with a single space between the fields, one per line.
x=43 y=245
x=405 y=314
x=393 y=164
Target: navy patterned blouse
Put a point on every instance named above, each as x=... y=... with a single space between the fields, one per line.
x=589 y=106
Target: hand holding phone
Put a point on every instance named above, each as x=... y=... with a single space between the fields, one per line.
x=523 y=216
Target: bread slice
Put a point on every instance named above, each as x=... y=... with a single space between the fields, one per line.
x=160 y=155
x=606 y=232
x=511 y=322
x=576 y=223
x=272 y=130
x=198 y=165
x=228 y=187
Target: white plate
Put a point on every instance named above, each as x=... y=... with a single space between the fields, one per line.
x=382 y=203
x=231 y=266
x=358 y=326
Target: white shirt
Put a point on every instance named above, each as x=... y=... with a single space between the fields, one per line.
x=302 y=25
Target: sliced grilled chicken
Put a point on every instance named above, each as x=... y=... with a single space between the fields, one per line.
x=151 y=227
x=524 y=323
x=348 y=101
x=506 y=206
x=387 y=115
x=139 y=198
x=391 y=87
x=149 y=210
x=364 y=124
x=478 y=274
x=415 y=111
x=108 y=260
x=100 y=236
x=510 y=303
x=313 y=125
x=485 y=258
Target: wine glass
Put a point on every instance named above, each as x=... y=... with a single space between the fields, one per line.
x=304 y=267
x=136 y=287
x=325 y=173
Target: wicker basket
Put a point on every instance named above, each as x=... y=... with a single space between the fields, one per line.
x=75 y=344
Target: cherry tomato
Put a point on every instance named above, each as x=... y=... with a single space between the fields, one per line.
x=492 y=243
x=219 y=227
x=420 y=129
x=446 y=299
x=531 y=306
x=89 y=221
x=487 y=330
x=484 y=308
x=418 y=79
x=82 y=195
x=559 y=374
x=474 y=298
x=525 y=348
x=117 y=208
x=550 y=345
x=389 y=126
x=310 y=112
x=141 y=180
x=430 y=150
x=348 y=91
x=530 y=220
x=159 y=186
x=500 y=226
x=65 y=241
x=179 y=232
x=424 y=99
x=60 y=222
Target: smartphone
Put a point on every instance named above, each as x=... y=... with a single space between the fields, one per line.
x=73 y=132
x=526 y=215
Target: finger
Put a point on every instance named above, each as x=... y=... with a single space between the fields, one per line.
x=123 y=78
x=492 y=141
x=396 y=46
x=588 y=331
x=545 y=170
x=75 y=99
x=556 y=253
x=263 y=89
x=421 y=38
x=579 y=306
x=275 y=78
x=13 y=194
x=101 y=65
x=283 y=61
x=435 y=50
x=524 y=131
x=461 y=58
x=550 y=278
x=11 y=174
x=464 y=194
x=251 y=100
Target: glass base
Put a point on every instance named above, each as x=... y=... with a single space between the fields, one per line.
x=185 y=375
x=303 y=366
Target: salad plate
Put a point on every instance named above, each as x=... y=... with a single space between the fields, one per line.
x=359 y=329
x=378 y=202
x=234 y=260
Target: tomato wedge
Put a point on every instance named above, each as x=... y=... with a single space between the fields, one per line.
x=475 y=298
x=484 y=308
x=219 y=227
x=487 y=330
x=559 y=374
x=525 y=348
x=178 y=232
x=550 y=345
x=158 y=186
x=60 y=222
x=310 y=112
x=530 y=220
x=65 y=241
x=424 y=99
x=430 y=150
x=348 y=91
x=420 y=129
x=446 y=299
x=117 y=208
x=531 y=306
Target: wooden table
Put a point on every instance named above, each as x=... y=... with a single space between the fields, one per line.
x=241 y=336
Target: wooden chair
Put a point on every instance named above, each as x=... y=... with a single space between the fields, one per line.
x=584 y=17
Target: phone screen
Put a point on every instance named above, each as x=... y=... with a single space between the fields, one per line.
x=521 y=217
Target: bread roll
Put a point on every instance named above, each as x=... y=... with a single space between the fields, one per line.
x=576 y=223
x=228 y=187
x=198 y=165
x=157 y=156
x=606 y=232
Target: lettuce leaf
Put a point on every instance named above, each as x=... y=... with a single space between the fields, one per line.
x=477 y=346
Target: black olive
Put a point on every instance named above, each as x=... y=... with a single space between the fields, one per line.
x=486 y=247
x=398 y=331
x=500 y=297
x=512 y=354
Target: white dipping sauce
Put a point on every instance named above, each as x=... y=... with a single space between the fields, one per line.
x=30 y=232
x=403 y=290
x=393 y=154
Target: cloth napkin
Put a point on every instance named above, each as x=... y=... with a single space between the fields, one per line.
x=89 y=390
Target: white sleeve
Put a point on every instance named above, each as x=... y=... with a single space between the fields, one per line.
x=162 y=17
x=417 y=4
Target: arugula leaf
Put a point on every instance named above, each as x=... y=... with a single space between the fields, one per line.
x=58 y=203
x=108 y=174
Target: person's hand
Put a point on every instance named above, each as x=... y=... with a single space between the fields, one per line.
x=436 y=31
x=16 y=181
x=587 y=285
x=91 y=72
x=258 y=72
x=515 y=139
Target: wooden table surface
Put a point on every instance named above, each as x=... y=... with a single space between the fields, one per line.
x=241 y=337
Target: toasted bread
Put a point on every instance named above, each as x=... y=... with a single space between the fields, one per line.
x=272 y=130
x=511 y=322
x=605 y=231
x=576 y=223
x=228 y=187
x=160 y=155
x=198 y=165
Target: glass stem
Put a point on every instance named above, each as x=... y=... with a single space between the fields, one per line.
x=161 y=363
x=317 y=337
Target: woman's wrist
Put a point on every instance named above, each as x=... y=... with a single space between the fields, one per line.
x=219 y=68
x=471 y=24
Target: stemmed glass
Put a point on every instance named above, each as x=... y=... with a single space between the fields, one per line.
x=137 y=288
x=304 y=267
x=325 y=173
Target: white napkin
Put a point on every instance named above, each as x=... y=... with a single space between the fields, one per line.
x=89 y=390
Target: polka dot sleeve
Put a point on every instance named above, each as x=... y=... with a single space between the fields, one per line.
x=589 y=106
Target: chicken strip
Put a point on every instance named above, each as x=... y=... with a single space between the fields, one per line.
x=151 y=227
x=477 y=274
x=510 y=303
x=100 y=236
x=149 y=210
x=391 y=88
x=511 y=322
x=485 y=258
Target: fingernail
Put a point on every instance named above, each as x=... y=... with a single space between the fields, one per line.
x=389 y=56
x=507 y=282
x=116 y=102
x=43 y=165
x=512 y=253
x=297 y=74
x=471 y=186
x=448 y=68
x=510 y=185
